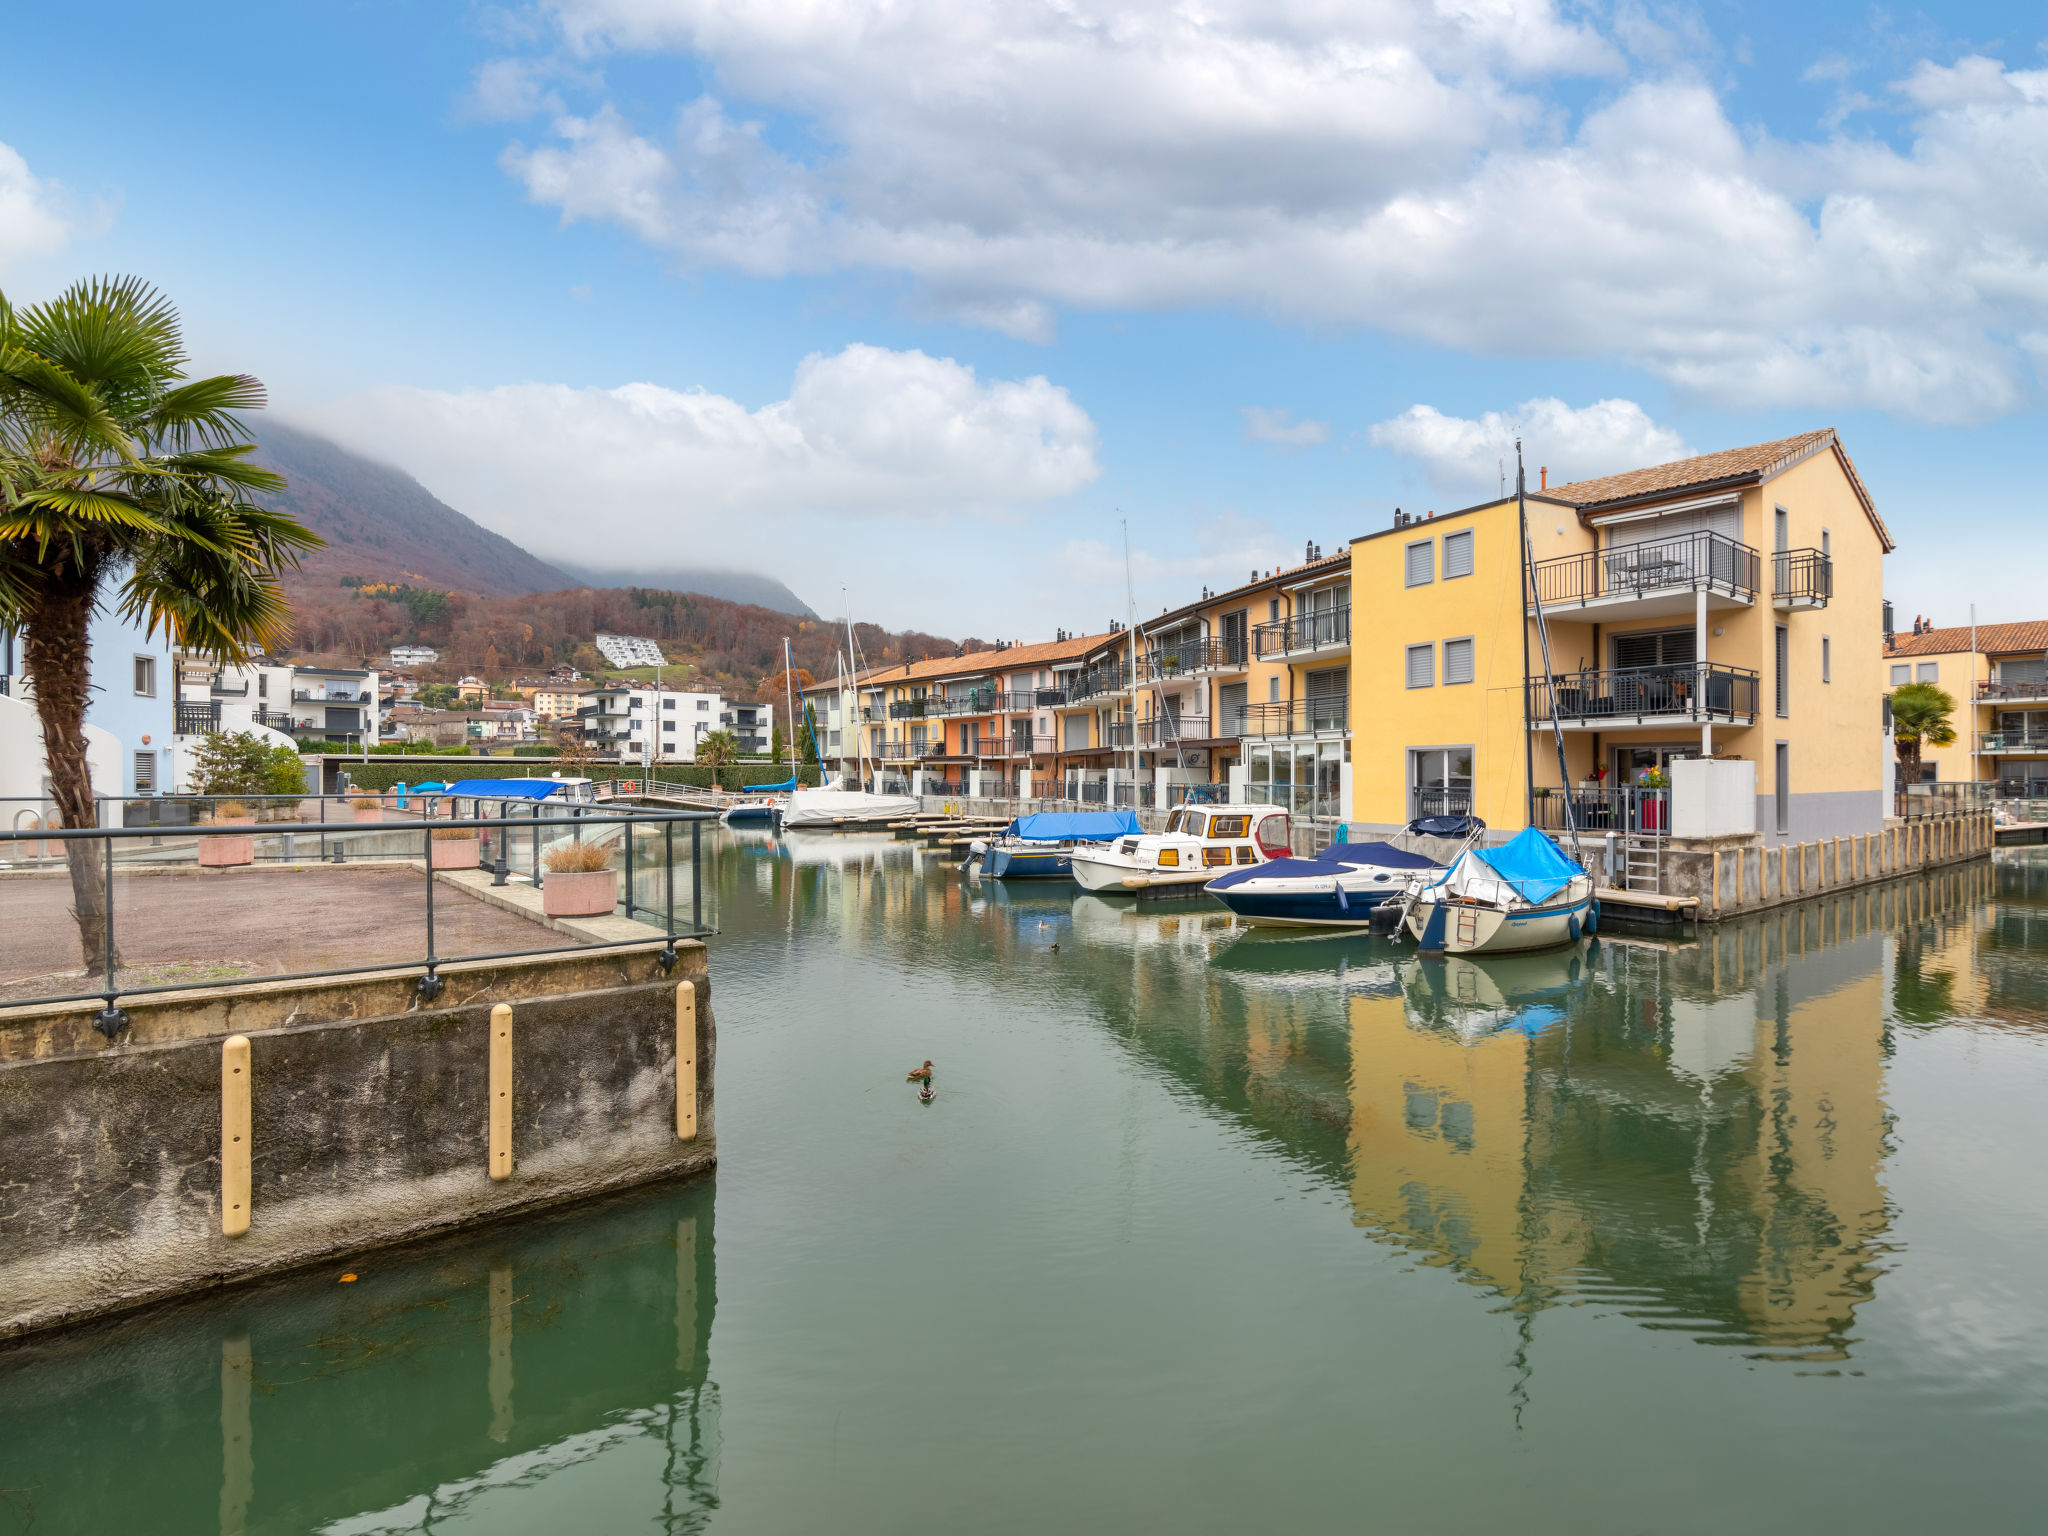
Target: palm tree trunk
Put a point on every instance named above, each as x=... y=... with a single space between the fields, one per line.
x=57 y=652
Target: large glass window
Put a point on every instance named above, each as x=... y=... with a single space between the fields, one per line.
x=1440 y=781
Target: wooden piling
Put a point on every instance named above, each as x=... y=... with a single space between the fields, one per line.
x=501 y=1092
x=686 y=1060
x=234 y=1135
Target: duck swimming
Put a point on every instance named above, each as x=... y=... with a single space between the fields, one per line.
x=926 y=1094
x=921 y=1074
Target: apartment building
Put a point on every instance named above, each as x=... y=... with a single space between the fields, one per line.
x=644 y=723
x=129 y=721
x=1998 y=676
x=556 y=703
x=1728 y=605
x=630 y=651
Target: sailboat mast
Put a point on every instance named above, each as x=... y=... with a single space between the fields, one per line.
x=860 y=750
x=789 y=693
x=1571 y=820
x=1131 y=645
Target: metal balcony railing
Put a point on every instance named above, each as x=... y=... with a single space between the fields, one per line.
x=220 y=692
x=910 y=751
x=1802 y=576
x=1991 y=690
x=1320 y=629
x=1196 y=656
x=1160 y=731
x=1686 y=562
x=274 y=719
x=1624 y=808
x=1296 y=717
x=1705 y=692
x=2033 y=739
x=196 y=719
x=1098 y=681
x=982 y=701
x=906 y=709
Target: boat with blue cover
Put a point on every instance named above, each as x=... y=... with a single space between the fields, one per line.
x=1526 y=894
x=1338 y=888
x=1041 y=847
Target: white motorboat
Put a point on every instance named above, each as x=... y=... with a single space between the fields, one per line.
x=1200 y=842
x=826 y=809
x=1338 y=888
x=1525 y=894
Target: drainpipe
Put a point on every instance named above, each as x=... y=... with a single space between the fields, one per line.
x=1699 y=651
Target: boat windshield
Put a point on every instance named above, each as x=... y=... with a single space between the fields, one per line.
x=1173 y=822
x=1195 y=824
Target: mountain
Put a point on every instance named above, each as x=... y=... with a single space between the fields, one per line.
x=381 y=525
x=734 y=586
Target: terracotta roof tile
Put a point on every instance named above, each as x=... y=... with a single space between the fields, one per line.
x=1758 y=459
x=975 y=662
x=1992 y=640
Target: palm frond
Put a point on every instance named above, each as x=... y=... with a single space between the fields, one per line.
x=203 y=411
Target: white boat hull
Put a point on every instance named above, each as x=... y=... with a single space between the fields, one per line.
x=1470 y=928
x=825 y=809
x=1113 y=872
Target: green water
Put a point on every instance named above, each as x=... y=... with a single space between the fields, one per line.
x=1206 y=1231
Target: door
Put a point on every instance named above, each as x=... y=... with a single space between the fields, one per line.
x=1328 y=690
x=1231 y=630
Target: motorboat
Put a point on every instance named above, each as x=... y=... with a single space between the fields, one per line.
x=1199 y=843
x=1338 y=888
x=1526 y=894
x=830 y=807
x=1041 y=847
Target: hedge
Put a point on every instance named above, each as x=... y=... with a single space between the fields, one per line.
x=383 y=773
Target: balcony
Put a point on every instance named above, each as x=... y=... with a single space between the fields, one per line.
x=910 y=751
x=1645 y=580
x=1626 y=808
x=2013 y=693
x=982 y=701
x=1323 y=632
x=1297 y=717
x=2031 y=740
x=274 y=719
x=196 y=719
x=1166 y=731
x=1705 y=694
x=1097 y=682
x=1801 y=578
x=1196 y=656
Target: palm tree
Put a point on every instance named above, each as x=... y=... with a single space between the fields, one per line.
x=715 y=749
x=1920 y=714
x=124 y=484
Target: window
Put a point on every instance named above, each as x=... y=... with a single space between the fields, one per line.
x=1902 y=673
x=1272 y=690
x=145 y=773
x=668 y=703
x=1440 y=781
x=1783 y=788
x=1826 y=659
x=145 y=677
x=1827 y=545
x=1781 y=531
x=1784 y=668
x=1421 y=563
x=1930 y=672
x=1421 y=666
x=1457 y=653
x=1457 y=554
x=262 y=685
x=703 y=703
x=1273 y=611
x=668 y=725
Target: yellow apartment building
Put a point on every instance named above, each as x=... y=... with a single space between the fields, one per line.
x=1723 y=606
x=1998 y=676
x=556 y=703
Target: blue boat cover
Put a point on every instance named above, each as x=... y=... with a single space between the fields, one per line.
x=1529 y=861
x=1074 y=826
x=1330 y=863
x=505 y=789
x=1445 y=826
x=767 y=789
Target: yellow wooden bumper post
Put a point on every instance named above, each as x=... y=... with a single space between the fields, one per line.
x=501 y=1091
x=234 y=1135
x=686 y=1060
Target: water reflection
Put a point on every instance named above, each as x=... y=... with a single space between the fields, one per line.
x=422 y=1395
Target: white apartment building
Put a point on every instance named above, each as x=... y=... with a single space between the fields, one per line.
x=664 y=725
x=630 y=651
x=403 y=656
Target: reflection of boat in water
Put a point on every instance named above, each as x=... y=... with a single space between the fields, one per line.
x=1199 y=843
x=1098 y=920
x=1041 y=847
x=843 y=852
x=1525 y=894
x=1338 y=888
x=1472 y=998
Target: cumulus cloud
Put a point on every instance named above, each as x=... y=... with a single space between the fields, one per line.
x=1465 y=456
x=652 y=476
x=1275 y=430
x=1222 y=552
x=1405 y=164
x=34 y=216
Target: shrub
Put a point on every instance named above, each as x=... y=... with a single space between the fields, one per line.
x=227 y=812
x=578 y=858
x=463 y=834
x=242 y=763
x=365 y=802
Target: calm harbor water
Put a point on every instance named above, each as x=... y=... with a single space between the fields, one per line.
x=1207 y=1230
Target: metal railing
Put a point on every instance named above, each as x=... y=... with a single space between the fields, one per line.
x=1686 y=562
x=295 y=831
x=1296 y=717
x=195 y=719
x=1318 y=629
x=1991 y=690
x=1439 y=802
x=272 y=719
x=1097 y=681
x=1952 y=799
x=1196 y=656
x=1802 y=575
x=1628 y=808
x=1707 y=691
x=911 y=751
x=2034 y=739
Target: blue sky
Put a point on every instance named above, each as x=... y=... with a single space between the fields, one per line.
x=924 y=299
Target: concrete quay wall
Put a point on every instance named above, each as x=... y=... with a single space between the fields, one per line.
x=368 y=1116
x=1731 y=877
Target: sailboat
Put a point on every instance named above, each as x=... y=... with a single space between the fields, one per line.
x=760 y=802
x=830 y=807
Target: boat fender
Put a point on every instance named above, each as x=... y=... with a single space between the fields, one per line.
x=1385 y=919
x=1571 y=927
x=1593 y=918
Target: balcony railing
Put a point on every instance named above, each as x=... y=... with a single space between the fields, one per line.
x=1097 y=681
x=2034 y=740
x=911 y=751
x=274 y=719
x=1624 y=808
x=1196 y=656
x=196 y=719
x=1296 y=717
x=1802 y=578
x=1318 y=630
x=1705 y=692
x=905 y=709
x=1160 y=731
x=982 y=701
x=2025 y=691
x=1687 y=562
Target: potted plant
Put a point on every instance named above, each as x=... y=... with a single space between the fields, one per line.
x=367 y=808
x=580 y=881
x=457 y=847
x=230 y=851
x=1654 y=804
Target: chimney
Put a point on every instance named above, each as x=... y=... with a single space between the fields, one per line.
x=1309 y=550
x=1432 y=511
x=1400 y=518
x=1544 y=483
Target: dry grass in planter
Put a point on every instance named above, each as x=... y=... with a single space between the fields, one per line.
x=578 y=858
x=367 y=803
x=227 y=813
x=454 y=834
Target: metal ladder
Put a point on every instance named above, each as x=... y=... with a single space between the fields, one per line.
x=1642 y=861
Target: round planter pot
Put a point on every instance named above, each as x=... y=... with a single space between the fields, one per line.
x=456 y=852
x=226 y=852
x=586 y=893
x=367 y=812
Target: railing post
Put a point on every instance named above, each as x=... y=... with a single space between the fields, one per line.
x=111 y=1020
x=431 y=984
x=697 y=877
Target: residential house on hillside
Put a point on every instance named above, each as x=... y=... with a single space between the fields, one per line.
x=1726 y=605
x=1998 y=676
x=629 y=651
x=638 y=722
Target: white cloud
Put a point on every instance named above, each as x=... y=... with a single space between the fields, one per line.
x=653 y=477
x=1275 y=430
x=34 y=218
x=1401 y=164
x=1467 y=456
x=1222 y=553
